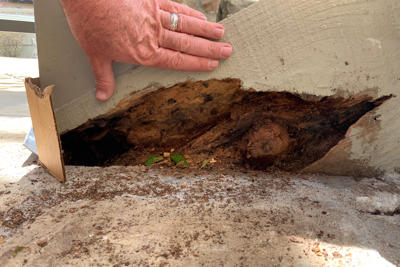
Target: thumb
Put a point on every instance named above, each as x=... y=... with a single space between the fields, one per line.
x=104 y=78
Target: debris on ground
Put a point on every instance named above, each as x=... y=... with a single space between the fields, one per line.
x=138 y=215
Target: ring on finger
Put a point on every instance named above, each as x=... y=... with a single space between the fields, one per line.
x=174 y=22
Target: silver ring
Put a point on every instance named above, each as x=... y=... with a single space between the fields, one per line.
x=174 y=21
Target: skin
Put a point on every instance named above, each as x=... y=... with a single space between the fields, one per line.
x=138 y=32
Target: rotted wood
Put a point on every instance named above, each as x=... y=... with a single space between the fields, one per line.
x=260 y=130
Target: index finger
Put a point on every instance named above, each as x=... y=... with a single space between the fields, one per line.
x=177 y=8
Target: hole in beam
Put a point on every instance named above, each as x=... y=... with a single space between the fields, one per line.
x=216 y=118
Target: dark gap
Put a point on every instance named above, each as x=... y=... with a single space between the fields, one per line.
x=389 y=213
x=216 y=118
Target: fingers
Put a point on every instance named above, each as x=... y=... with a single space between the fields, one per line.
x=195 y=26
x=174 y=60
x=177 y=8
x=104 y=77
x=194 y=45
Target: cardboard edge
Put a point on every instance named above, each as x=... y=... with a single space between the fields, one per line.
x=45 y=97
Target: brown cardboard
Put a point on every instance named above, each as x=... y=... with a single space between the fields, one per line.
x=44 y=126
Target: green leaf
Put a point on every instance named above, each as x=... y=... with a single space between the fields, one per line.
x=205 y=162
x=153 y=159
x=17 y=250
x=176 y=158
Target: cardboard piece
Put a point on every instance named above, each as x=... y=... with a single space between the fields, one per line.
x=44 y=126
x=308 y=47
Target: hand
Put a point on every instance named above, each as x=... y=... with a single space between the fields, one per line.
x=138 y=32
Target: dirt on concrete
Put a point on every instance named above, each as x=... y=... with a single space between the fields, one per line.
x=169 y=216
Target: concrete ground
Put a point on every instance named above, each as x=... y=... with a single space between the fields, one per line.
x=154 y=216
x=16 y=8
x=14 y=115
x=137 y=216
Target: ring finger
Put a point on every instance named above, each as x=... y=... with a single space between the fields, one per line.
x=194 y=26
x=195 y=46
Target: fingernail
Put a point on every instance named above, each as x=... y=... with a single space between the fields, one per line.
x=226 y=51
x=203 y=17
x=101 y=95
x=212 y=64
x=218 y=33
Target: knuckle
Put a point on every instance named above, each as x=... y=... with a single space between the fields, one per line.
x=213 y=49
x=163 y=37
x=169 y=40
x=185 y=43
x=144 y=55
x=205 y=28
x=165 y=18
x=177 y=60
x=103 y=84
x=174 y=43
x=132 y=55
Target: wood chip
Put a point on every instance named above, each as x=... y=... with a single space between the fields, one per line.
x=317 y=251
x=295 y=240
x=73 y=210
x=42 y=243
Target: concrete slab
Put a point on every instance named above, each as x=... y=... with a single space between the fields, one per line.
x=15 y=119
x=148 y=216
x=13 y=104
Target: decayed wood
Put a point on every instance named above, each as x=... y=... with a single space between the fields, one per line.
x=217 y=118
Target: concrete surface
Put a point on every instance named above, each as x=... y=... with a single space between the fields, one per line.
x=13 y=104
x=138 y=216
x=16 y=8
x=14 y=112
x=14 y=115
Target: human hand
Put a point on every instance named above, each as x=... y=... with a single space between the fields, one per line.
x=139 y=32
